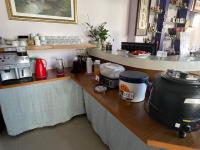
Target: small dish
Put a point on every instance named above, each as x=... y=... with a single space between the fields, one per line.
x=101 y=89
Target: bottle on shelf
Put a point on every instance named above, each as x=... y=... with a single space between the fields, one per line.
x=97 y=69
x=76 y=65
x=89 y=64
x=30 y=41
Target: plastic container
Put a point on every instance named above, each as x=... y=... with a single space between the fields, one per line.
x=111 y=70
x=60 y=70
x=89 y=64
x=97 y=67
x=133 y=85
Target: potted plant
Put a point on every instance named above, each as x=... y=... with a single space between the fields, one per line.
x=93 y=33
x=103 y=34
x=98 y=34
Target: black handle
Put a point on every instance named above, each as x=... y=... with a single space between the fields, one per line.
x=183 y=130
x=149 y=89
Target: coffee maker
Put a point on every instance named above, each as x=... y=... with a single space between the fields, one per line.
x=15 y=66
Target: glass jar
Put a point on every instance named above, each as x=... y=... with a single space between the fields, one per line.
x=97 y=68
x=60 y=67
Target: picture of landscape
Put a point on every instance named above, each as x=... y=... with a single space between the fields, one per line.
x=142 y=17
x=45 y=7
x=60 y=10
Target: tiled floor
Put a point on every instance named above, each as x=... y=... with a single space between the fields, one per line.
x=76 y=134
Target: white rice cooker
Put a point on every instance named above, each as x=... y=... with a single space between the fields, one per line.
x=110 y=74
x=133 y=85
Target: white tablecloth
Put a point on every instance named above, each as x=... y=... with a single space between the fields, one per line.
x=112 y=132
x=38 y=105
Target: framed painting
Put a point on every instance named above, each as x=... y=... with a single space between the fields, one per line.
x=196 y=6
x=142 y=17
x=55 y=11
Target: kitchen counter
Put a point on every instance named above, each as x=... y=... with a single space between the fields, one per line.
x=132 y=115
x=150 y=62
x=135 y=118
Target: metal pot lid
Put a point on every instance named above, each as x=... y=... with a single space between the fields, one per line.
x=181 y=77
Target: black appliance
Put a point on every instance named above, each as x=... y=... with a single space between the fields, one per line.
x=109 y=82
x=131 y=46
x=175 y=101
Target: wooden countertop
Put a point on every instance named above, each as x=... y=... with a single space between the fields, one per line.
x=51 y=77
x=135 y=118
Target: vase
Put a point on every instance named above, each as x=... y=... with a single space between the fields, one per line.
x=103 y=45
x=96 y=43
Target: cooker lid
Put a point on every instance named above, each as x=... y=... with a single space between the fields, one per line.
x=111 y=70
x=134 y=77
x=181 y=77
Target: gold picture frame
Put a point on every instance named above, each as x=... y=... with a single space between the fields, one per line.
x=196 y=6
x=142 y=17
x=13 y=14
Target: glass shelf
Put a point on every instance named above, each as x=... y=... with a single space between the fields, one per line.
x=157 y=12
x=169 y=22
x=174 y=6
x=170 y=37
x=154 y=32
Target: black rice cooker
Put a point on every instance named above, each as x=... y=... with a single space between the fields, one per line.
x=175 y=100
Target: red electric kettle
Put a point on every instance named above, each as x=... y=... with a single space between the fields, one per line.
x=40 y=68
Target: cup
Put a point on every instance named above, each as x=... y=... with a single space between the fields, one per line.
x=23 y=43
x=60 y=67
x=15 y=43
x=42 y=38
x=33 y=35
x=37 y=43
x=36 y=38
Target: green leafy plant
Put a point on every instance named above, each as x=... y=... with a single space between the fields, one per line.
x=103 y=32
x=98 y=32
x=93 y=32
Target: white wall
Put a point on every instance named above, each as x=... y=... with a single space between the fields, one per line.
x=132 y=20
x=195 y=32
x=114 y=12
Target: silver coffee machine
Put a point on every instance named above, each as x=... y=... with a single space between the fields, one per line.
x=15 y=66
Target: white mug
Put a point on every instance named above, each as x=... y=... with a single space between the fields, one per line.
x=36 y=38
x=15 y=43
x=23 y=43
x=37 y=43
x=42 y=38
x=33 y=35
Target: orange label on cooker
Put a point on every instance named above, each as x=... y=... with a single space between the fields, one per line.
x=124 y=88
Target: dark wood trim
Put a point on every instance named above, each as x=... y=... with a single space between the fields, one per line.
x=51 y=77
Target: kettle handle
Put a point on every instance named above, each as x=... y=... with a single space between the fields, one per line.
x=45 y=62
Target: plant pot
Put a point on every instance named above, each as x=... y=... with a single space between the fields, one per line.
x=103 y=45
x=97 y=43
